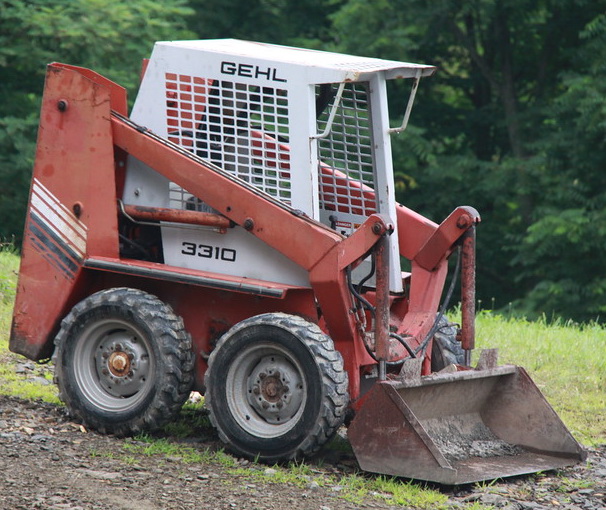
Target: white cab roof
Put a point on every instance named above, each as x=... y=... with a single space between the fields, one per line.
x=352 y=68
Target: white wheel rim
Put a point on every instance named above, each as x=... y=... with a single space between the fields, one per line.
x=266 y=390
x=113 y=365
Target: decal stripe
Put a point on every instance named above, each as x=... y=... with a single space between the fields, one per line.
x=57 y=218
x=67 y=214
x=46 y=255
x=65 y=260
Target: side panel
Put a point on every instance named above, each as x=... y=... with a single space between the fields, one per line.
x=199 y=101
x=72 y=212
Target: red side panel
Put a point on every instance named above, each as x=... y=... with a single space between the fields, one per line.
x=72 y=209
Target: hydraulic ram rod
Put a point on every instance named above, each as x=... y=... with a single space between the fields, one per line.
x=468 y=292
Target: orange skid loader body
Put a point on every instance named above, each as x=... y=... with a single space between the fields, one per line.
x=280 y=364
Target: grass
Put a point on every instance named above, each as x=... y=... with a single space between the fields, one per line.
x=566 y=360
x=11 y=382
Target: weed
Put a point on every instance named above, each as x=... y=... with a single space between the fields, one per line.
x=573 y=484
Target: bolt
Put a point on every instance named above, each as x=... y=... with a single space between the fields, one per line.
x=62 y=105
x=105 y=355
x=256 y=390
x=265 y=405
x=77 y=208
x=377 y=228
x=105 y=371
x=463 y=221
x=248 y=224
x=262 y=375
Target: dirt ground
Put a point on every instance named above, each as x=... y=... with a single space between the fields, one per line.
x=49 y=462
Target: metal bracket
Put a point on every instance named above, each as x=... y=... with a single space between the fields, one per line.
x=411 y=99
x=331 y=117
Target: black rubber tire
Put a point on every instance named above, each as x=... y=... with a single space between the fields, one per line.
x=446 y=349
x=123 y=362
x=289 y=361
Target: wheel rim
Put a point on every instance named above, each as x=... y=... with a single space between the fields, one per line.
x=266 y=390
x=113 y=365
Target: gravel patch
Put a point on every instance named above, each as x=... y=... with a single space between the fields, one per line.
x=48 y=462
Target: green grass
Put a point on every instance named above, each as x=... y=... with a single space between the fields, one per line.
x=12 y=383
x=567 y=361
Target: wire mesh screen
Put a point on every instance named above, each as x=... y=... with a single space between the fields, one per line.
x=347 y=177
x=239 y=127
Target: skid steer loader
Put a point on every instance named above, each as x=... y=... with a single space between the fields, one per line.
x=238 y=235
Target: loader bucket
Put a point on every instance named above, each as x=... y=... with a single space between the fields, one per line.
x=461 y=427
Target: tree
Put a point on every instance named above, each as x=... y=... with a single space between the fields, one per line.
x=109 y=37
x=294 y=22
x=485 y=132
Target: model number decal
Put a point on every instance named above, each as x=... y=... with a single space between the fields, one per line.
x=206 y=251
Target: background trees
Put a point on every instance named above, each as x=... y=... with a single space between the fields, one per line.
x=513 y=123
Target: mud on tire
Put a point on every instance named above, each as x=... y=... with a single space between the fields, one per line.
x=123 y=362
x=276 y=388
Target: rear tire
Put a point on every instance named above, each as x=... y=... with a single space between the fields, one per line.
x=276 y=388
x=446 y=349
x=123 y=362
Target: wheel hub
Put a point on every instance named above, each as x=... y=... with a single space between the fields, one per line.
x=272 y=389
x=275 y=389
x=119 y=363
x=122 y=363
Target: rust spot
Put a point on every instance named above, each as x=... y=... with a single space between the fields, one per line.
x=48 y=170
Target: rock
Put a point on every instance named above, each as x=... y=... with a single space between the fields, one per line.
x=493 y=499
x=585 y=492
x=41 y=380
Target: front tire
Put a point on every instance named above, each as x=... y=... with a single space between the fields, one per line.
x=446 y=349
x=276 y=388
x=123 y=362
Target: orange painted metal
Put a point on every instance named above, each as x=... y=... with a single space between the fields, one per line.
x=72 y=203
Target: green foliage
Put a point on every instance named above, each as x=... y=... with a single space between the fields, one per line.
x=293 y=22
x=9 y=265
x=513 y=123
x=109 y=37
